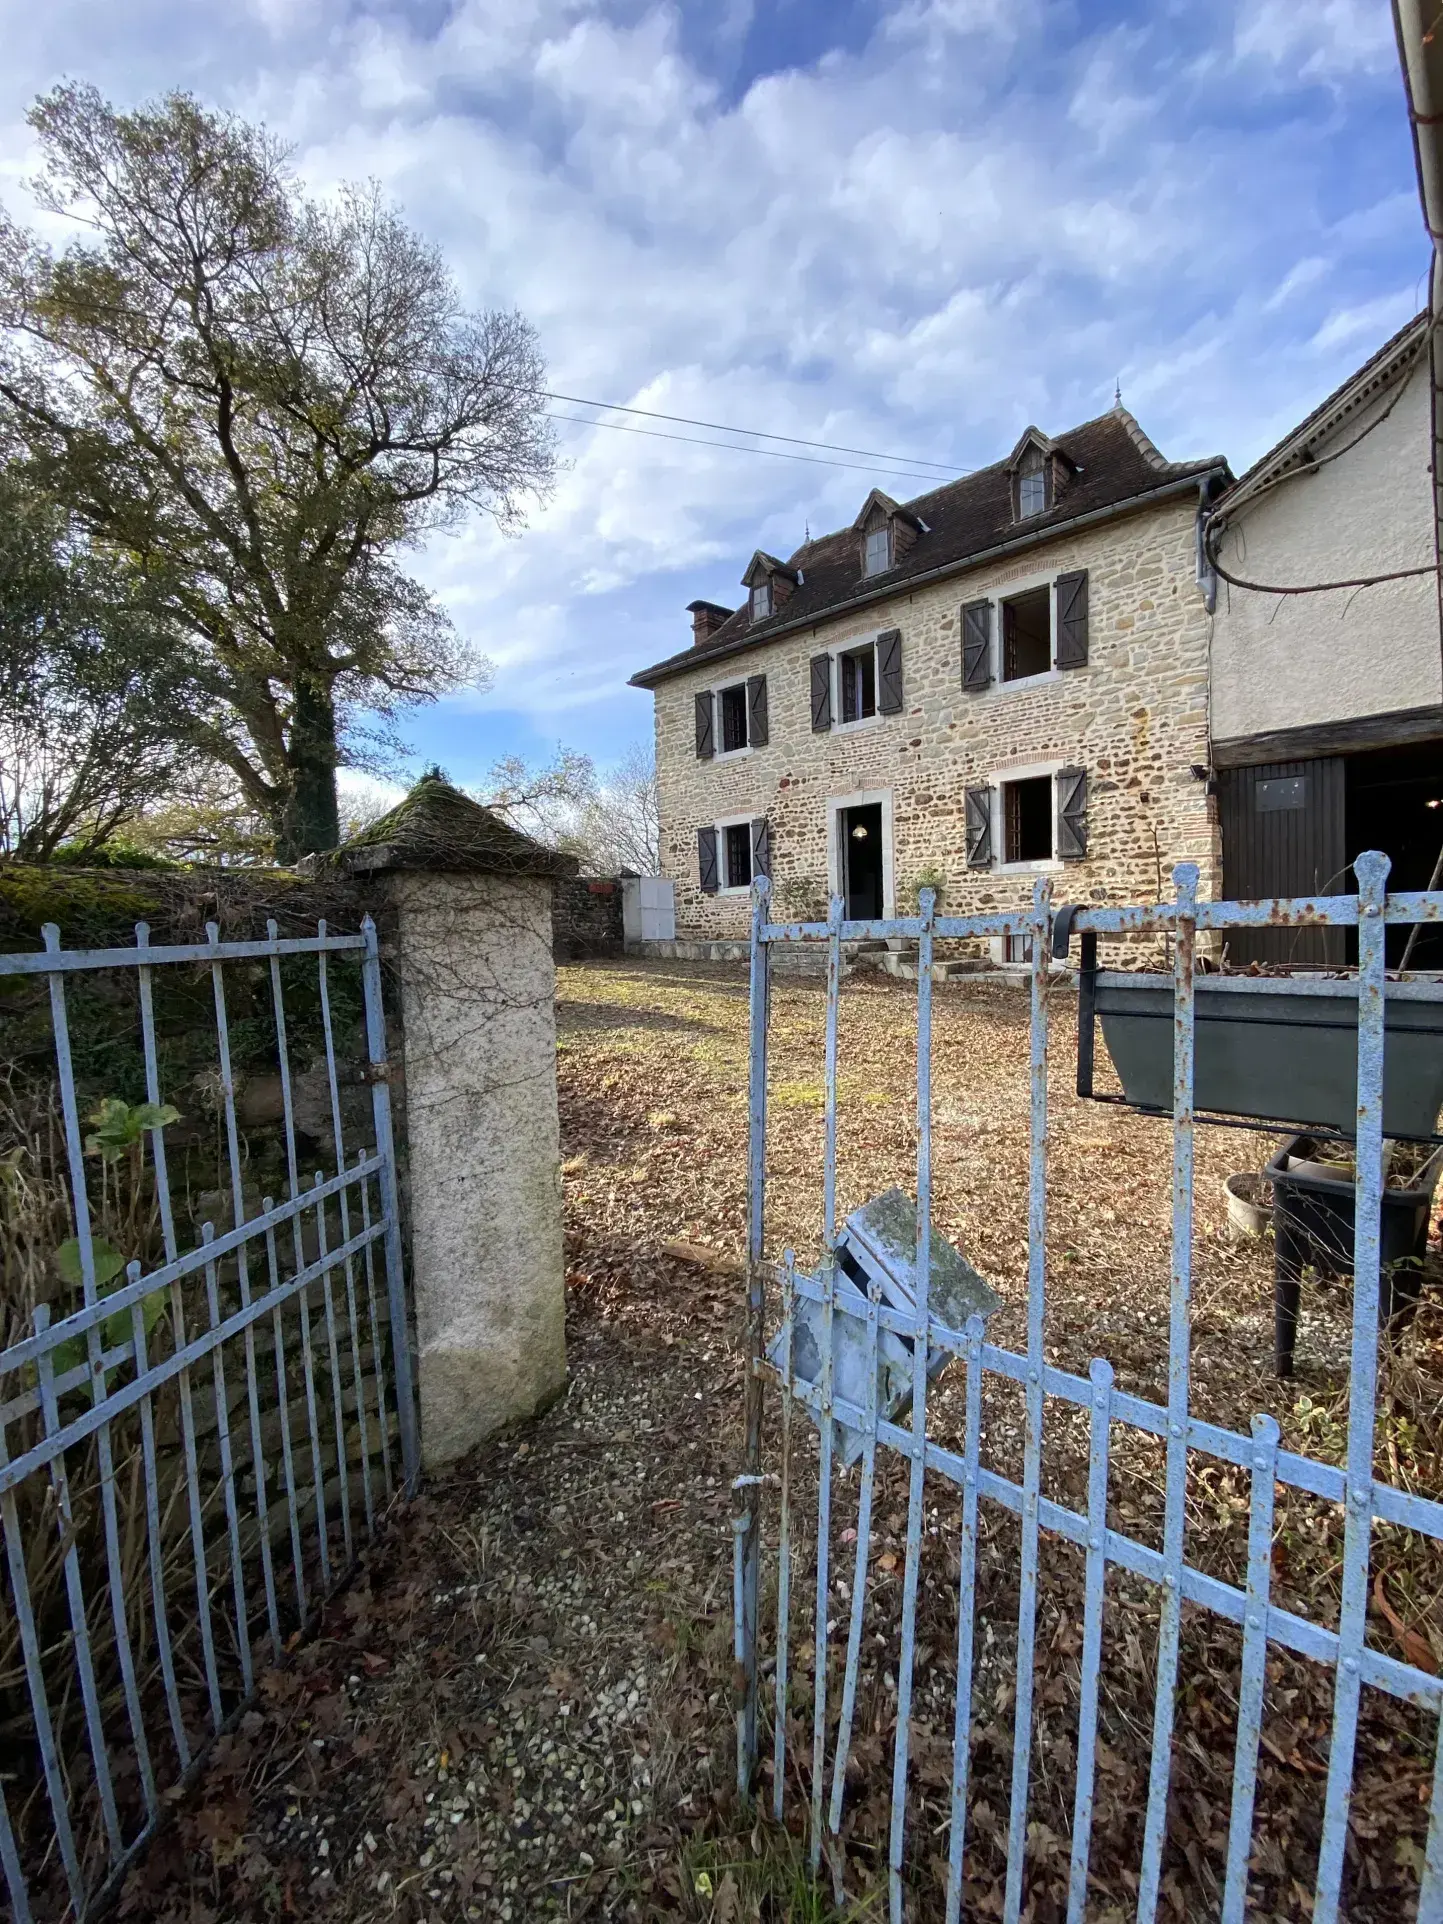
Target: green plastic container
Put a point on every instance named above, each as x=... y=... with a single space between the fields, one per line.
x=1278 y=1049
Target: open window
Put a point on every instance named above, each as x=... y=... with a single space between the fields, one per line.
x=1027 y=634
x=731 y=719
x=1027 y=820
x=736 y=851
x=857 y=676
x=733 y=704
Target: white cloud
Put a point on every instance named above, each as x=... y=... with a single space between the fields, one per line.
x=975 y=219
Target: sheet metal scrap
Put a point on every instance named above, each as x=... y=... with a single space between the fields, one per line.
x=878 y=1244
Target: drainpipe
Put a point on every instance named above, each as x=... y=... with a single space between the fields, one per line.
x=1419 y=28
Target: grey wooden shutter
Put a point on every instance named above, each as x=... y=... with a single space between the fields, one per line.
x=821 y=694
x=761 y=846
x=757 y=711
x=1071 y=814
x=705 y=731
x=889 y=672
x=976 y=645
x=979 y=827
x=706 y=870
x=1072 y=620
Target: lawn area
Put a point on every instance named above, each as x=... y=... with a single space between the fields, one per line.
x=523 y=1708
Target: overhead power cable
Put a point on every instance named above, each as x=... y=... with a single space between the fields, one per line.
x=900 y=461
x=735 y=447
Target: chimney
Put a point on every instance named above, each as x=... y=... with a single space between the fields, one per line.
x=706 y=618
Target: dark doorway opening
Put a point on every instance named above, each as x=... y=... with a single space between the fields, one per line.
x=860 y=861
x=1395 y=803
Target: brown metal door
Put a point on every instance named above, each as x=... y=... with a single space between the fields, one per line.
x=1283 y=834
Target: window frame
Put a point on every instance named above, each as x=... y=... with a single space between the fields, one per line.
x=1025 y=472
x=725 y=884
x=1001 y=779
x=997 y=660
x=999 y=623
x=885 y=533
x=718 y=690
x=759 y=612
x=856 y=645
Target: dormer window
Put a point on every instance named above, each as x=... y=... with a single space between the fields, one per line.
x=877 y=551
x=761 y=600
x=1031 y=483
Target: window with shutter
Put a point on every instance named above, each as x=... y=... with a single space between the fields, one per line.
x=1072 y=814
x=889 y=672
x=737 y=850
x=821 y=694
x=858 y=672
x=1072 y=620
x=979 y=827
x=1027 y=634
x=976 y=646
x=733 y=703
x=706 y=862
x=757 y=710
x=761 y=846
x=705 y=734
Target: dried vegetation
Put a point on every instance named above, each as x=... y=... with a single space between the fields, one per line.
x=523 y=1708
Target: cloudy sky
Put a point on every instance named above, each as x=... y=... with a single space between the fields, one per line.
x=905 y=225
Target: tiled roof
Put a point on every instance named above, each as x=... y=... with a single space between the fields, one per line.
x=965 y=520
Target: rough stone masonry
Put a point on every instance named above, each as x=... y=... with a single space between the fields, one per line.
x=1135 y=717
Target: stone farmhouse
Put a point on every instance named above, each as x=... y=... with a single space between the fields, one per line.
x=1004 y=678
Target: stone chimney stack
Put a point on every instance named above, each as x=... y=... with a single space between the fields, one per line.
x=706 y=618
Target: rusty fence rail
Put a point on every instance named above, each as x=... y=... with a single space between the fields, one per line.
x=191 y=1458
x=1344 y=1649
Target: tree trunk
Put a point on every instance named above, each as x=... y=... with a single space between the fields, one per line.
x=310 y=820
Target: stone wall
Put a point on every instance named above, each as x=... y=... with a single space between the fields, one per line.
x=586 y=918
x=1135 y=717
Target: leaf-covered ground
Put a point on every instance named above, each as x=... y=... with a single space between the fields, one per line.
x=522 y=1708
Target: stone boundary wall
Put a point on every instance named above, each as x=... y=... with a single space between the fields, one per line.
x=586 y=918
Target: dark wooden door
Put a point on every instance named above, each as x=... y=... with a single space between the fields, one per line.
x=1283 y=834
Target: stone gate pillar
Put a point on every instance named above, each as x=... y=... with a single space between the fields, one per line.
x=467 y=901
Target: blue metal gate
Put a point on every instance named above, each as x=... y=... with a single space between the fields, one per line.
x=165 y=1527
x=780 y=1299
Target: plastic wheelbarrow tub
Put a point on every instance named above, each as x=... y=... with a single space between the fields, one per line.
x=1279 y=1049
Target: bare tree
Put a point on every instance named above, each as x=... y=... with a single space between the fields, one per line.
x=262 y=400
x=619 y=825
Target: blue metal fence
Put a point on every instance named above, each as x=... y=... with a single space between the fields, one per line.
x=1344 y=1650
x=166 y=1524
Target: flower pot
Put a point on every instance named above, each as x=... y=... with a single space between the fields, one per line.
x=1250 y=1205
x=1279 y=1049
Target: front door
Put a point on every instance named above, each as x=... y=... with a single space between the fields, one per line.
x=860 y=861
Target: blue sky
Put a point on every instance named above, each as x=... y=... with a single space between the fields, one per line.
x=913 y=225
